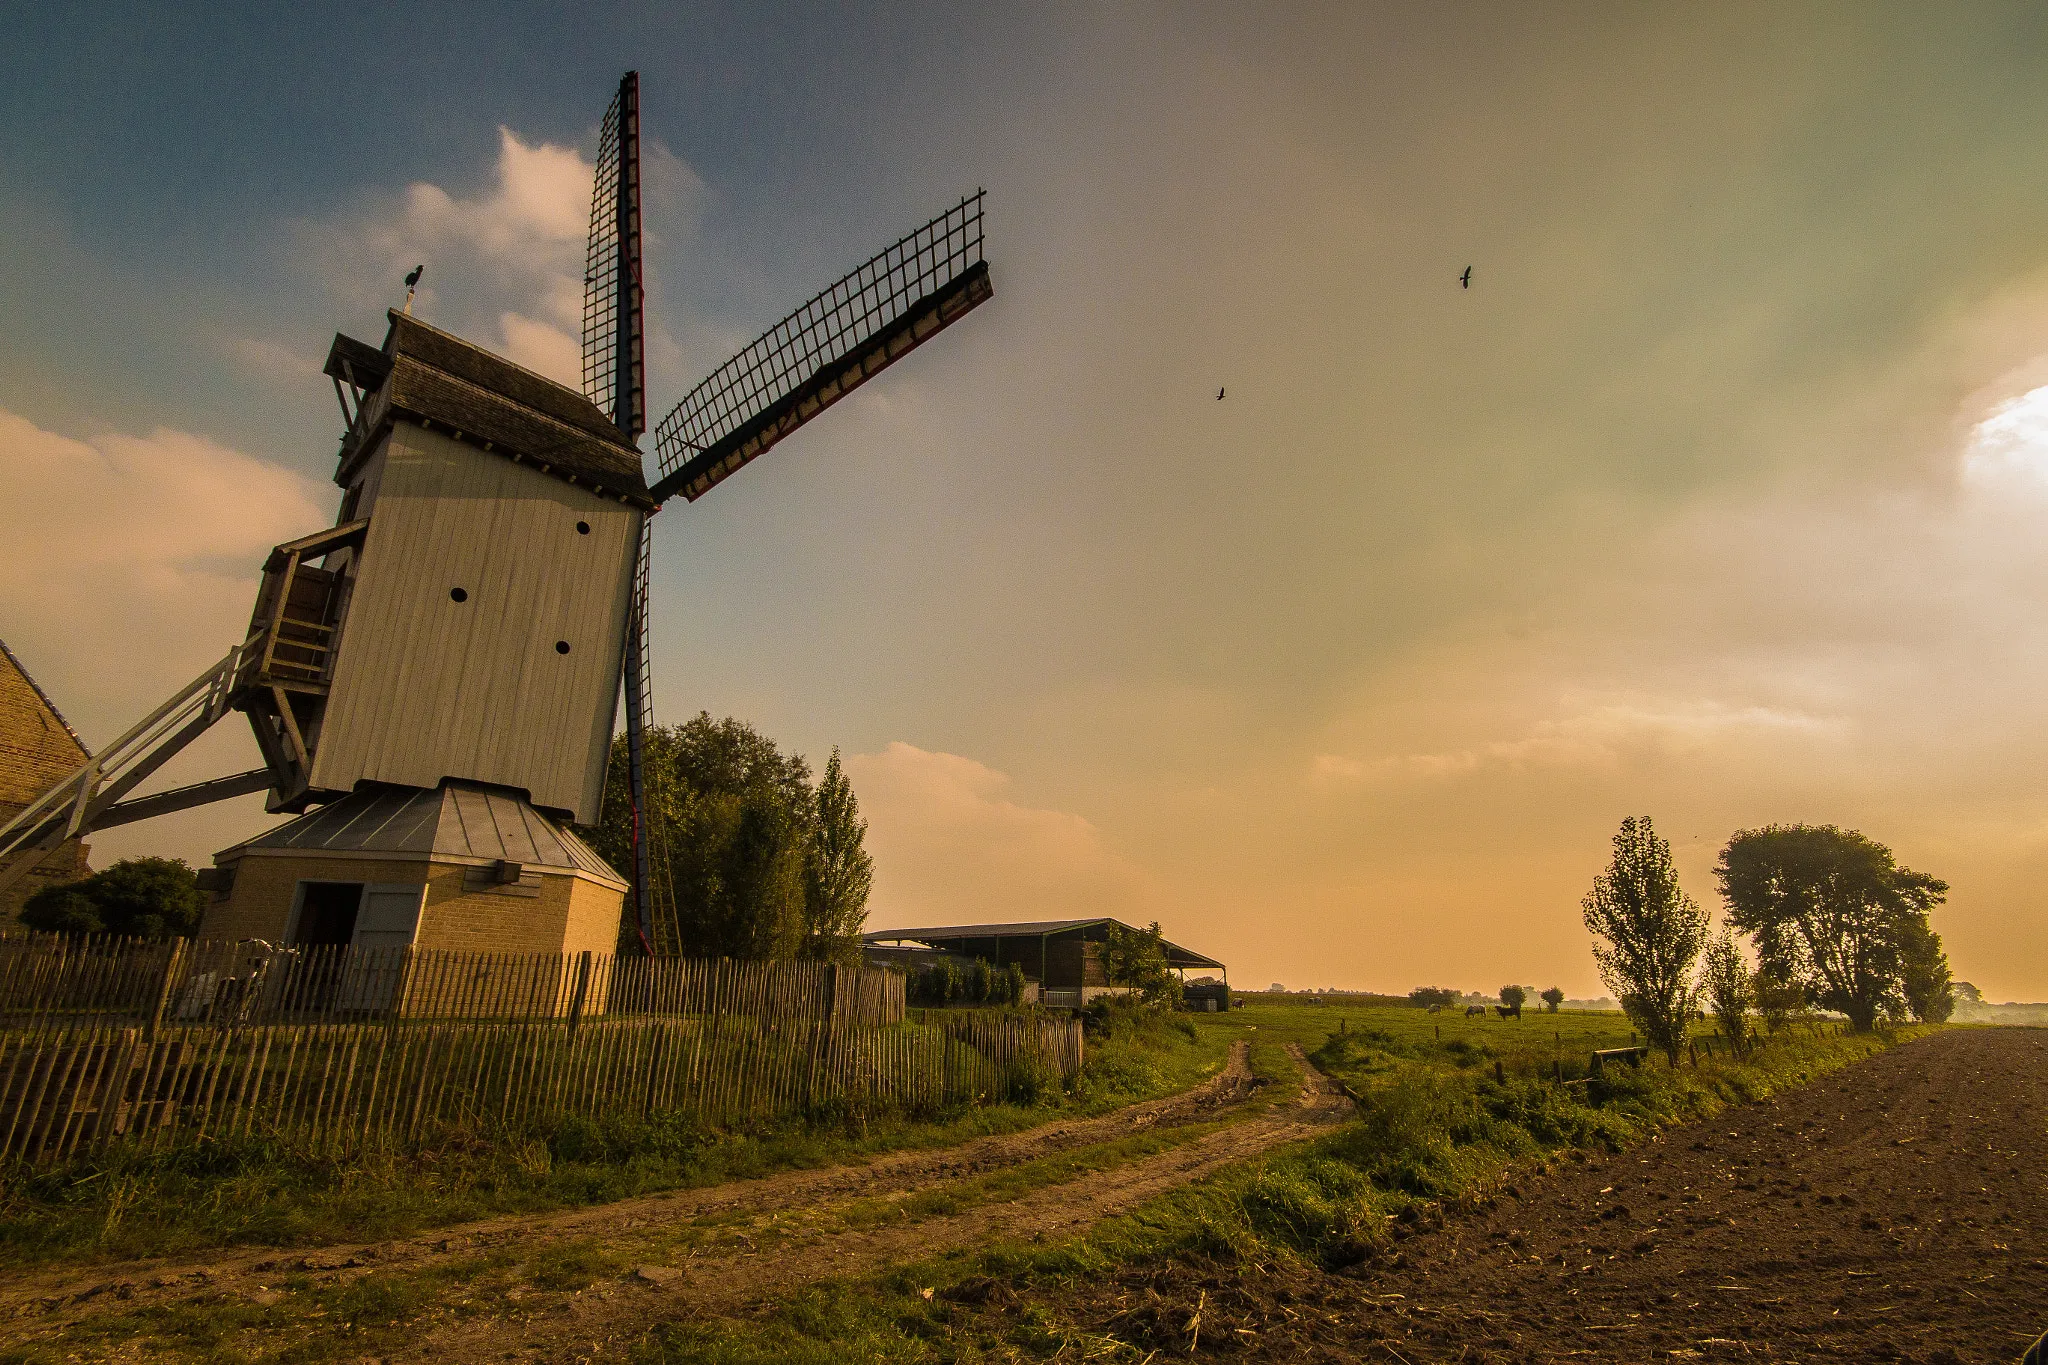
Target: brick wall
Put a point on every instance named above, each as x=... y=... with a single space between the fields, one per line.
x=36 y=749
x=260 y=905
x=570 y=915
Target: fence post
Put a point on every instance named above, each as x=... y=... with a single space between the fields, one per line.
x=582 y=988
x=163 y=990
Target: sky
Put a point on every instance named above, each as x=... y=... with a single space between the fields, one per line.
x=1716 y=498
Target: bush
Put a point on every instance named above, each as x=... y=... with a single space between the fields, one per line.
x=137 y=898
x=945 y=982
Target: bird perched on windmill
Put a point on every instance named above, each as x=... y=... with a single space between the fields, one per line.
x=434 y=680
x=412 y=282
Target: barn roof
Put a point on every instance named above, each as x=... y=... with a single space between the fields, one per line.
x=940 y=937
x=457 y=820
x=427 y=374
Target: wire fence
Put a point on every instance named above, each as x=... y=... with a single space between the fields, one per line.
x=107 y=1042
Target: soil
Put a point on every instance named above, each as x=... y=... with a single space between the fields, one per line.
x=790 y=1213
x=1894 y=1211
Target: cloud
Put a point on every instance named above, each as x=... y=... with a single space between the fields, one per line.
x=535 y=217
x=2009 y=447
x=270 y=359
x=509 y=255
x=543 y=349
x=132 y=561
x=950 y=847
x=1600 y=736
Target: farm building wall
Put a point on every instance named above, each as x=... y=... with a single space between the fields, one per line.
x=1071 y=964
x=425 y=687
x=544 y=912
x=259 y=904
x=36 y=749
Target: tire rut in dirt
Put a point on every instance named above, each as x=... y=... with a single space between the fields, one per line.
x=725 y=1285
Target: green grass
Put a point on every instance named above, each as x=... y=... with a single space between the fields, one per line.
x=123 y=1205
x=1435 y=1127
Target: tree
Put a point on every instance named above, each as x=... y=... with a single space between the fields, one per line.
x=1925 y=981
x=1513 y=997
x=1831 y=912
x=137 y=897
x=1777 y=999
x=1730 y=988
x=1136 y=958
x=838 y=870
x=737 y=815
x=1653 y=933
x=1553 y=998
x=1433 y=997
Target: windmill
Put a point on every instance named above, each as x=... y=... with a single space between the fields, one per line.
x=433 y=682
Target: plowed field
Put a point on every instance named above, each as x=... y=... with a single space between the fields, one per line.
x=1896 y=1211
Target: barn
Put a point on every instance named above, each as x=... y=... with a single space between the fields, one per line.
x=1063 y=957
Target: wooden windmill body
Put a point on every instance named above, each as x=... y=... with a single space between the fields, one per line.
x=475 y=593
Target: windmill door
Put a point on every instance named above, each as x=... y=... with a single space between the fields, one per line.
x=385 y=925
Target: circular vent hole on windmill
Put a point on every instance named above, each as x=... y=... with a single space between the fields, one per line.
x=561 y=646
x=457 y=595
x=582 y=528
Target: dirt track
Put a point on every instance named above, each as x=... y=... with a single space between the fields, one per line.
x=1897 y=1211
x=683 y=1270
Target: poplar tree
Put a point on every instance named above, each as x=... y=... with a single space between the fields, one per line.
x=1650 y=934
x=839 y=872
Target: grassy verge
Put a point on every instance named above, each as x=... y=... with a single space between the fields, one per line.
x=1437 y=1124
x=124 y=1205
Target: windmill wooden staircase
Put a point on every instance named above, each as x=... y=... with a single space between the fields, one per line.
x=278 y=676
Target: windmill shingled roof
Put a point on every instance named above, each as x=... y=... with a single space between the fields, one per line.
x=440 y=378
x=466 y=360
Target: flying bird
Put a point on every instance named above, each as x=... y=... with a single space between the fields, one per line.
x=1219 y=395
x=1465 y=280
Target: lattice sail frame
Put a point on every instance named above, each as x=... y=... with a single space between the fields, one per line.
x=615 y=378
x=614 y=299
x=817 y=354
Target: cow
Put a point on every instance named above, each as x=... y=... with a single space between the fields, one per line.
x=1507 y=1011
x=1471 y=1010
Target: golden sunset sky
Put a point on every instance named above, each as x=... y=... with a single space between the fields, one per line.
x=1718 y=497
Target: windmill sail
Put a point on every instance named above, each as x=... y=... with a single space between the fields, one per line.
x=823 y=351
x=615 y=378
x=614 y=301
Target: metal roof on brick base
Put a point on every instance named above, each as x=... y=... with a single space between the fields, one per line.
x=463 y=822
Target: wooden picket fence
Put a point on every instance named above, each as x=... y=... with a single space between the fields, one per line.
x=151 y=1045
x=49 y=979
